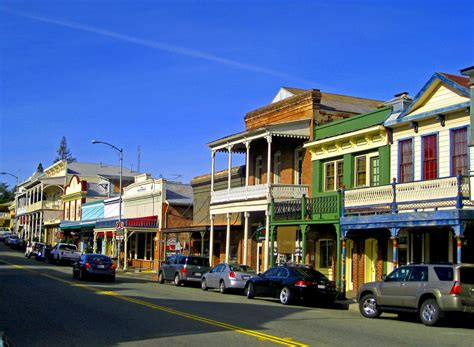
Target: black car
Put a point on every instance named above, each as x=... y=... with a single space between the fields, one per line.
x=14 y=242
x=290 y=283
x=94 y=265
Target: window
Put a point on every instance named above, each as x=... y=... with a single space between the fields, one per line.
x=419 y=274
x=361 y=171
x=276 y=167
x=298 y=166
x=325 y=253
x=444 y=273
x=258 y=169
x=459 y=151
x=405 y=150
x=374 y=171
x=430 y=157
x=399 y=275
x=333 y=175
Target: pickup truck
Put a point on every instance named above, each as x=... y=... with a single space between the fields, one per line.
x=64 y=252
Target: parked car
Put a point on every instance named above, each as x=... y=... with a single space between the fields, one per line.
x=64 y=252
x=42 y=254
x=292 y=283
x=427 y=289
x=183 y=268
x=94 y=265
x=33 y=249
x=227 y=276
x=14 y=242
x=5 y=236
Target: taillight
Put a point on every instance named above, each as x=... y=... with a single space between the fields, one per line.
x=87 y=265
x=184 y=270
x=300 y=283
x=113 y=266
x=456 y=289
x=232 y=274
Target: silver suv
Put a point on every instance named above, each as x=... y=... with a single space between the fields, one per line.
x=181 y=268
x=427 y=289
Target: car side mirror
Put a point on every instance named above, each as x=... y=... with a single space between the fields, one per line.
x=260 y=274
x=384 y=277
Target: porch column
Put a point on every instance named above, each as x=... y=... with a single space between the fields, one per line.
x=125 y=250
x=343 y=269
x=213 y=168
x=40 y=227
x=227 y=239
x=247 y=163
x=458 y=249
x=146 y=246
x=303 y=229
x=211 y=241
x=395 y=251
x=338 y=257
x=272 y=245
x=267 y=240
x=94 y=245
x=229 y=173
x=203 y=233
x=136 y=246
x=246 y=236
x=269 y=163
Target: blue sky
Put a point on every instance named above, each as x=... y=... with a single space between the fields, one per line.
x=171 y=76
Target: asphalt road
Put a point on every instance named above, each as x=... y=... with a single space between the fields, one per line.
x=41 y=305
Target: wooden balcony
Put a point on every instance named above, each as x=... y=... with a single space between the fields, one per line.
x=260 y=191
x=45 y=205
x=449 y=192
x=317 y=208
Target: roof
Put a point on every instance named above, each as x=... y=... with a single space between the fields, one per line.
x=297 y=129
x=235 y=171
x=100 y=169
x=179 y=193
x=346 y=103
x=463 y=81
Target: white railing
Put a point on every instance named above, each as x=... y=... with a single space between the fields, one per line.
x=5 y=215
x=21 y=211
x=53 y=205
x=368 y=196
x=420 y=194
x=260 y=191
x=288 y=191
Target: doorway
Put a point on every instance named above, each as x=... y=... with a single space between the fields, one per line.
x=370 y=260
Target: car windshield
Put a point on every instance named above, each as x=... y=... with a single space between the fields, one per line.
x=197 y=261
x=310 y=273
x=98 y=258
x=69 y=247
x=241 y=268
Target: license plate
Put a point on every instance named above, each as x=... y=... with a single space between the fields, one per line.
x=100 y=266
x=321 y=286
x=197 y=274
x=245 y=277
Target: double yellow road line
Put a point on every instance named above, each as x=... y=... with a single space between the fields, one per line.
x=260 y=336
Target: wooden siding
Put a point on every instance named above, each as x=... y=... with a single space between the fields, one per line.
x=442 y=97
x=457 y=120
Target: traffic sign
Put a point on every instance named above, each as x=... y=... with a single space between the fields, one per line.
x=120 y=225
x=119 y=237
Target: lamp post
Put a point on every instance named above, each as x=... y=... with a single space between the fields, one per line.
x=16 y=202
x=120 y=152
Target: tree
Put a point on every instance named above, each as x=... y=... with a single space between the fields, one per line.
x=6 y=194
x=63 y=152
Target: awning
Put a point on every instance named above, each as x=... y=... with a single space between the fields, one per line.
x=192 y=229
x=89 y=224
x=101 y=234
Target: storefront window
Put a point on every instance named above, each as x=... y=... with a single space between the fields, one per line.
x=325 y=252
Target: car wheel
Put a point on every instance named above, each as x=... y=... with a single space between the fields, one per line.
x=161 y=279
x=430 y=312
x=368 y=306
x=203 y=284
x=222 y=287
x=249 y=291
x=285 y=296
x=177 y=281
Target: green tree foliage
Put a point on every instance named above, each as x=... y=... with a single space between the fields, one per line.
x=6 y=194
x=63 y=152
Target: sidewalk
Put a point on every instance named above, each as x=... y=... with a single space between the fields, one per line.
x=146 y=275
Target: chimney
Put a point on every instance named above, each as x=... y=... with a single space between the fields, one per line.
x=399 y=102
x=469 y=72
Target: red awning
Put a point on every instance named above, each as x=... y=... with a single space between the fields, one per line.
x=101 y=234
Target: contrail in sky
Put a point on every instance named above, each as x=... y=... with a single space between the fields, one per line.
x=158 y=45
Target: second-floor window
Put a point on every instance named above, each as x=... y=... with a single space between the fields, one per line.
x=405 y=160
x=459 y=151
x=361 y=171
x=367 y=170
x=333 y=175
x=298 y=166
x=258 y=169
x=276 y=167
x=430 y=157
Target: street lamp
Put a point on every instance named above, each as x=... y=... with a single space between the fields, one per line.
x=120 y=151
x=10 y=174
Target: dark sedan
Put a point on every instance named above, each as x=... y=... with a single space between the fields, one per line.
x=94 y=265
x=290 y=284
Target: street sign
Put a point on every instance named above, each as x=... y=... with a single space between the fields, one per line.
x=120 y=225
x=119 y=237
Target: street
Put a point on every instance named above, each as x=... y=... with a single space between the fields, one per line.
x=42 y=305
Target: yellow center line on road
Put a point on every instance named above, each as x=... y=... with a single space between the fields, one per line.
x=260 y=336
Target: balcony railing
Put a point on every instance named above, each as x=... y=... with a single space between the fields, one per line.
x=418 y=195
x=314 y=208
x=5 y=215
x=260 y=191
x=44 y=205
